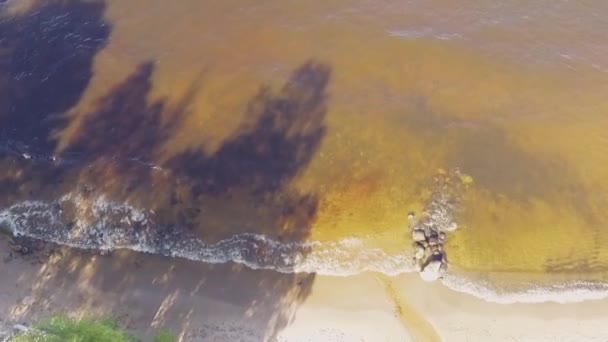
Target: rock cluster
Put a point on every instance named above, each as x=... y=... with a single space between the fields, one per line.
x=29 y=249
x=429 y=231
x=429 y=254
x=25 y=246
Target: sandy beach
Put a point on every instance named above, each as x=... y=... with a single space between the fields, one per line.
x=227 y=302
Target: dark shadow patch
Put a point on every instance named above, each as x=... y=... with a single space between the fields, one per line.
x=115 y=146
x=146 y=292
x=115 y=149
x=252 y=170
x=123 y=125
x=283 y=134
x=242 y=189
x=46 y=61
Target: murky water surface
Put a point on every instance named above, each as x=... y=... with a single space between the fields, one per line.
x=321 y=121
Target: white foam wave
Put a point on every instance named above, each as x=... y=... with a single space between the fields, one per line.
x=102 y=224
x=568 y=292
x=423 y=33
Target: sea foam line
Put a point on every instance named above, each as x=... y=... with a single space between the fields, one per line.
x=102 y=224
x=563 y=293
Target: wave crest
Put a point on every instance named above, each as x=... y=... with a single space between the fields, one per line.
x=102 y=224
x=530 y=293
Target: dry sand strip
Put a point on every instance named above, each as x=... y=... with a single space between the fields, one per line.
x=232 y=303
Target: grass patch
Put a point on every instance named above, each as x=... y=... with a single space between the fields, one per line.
x=164 y=335
x=65 y=329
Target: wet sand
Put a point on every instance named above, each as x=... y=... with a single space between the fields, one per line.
x=228 y=303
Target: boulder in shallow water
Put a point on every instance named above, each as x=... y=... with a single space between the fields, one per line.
x=436 y=249
x=431 y=271
x=428 y=231
x=418 y=235
x=419 y=251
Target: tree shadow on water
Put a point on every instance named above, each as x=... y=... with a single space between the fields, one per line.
x=283 y=133
x=243 y=188
x=115 y=146
x=256 y=164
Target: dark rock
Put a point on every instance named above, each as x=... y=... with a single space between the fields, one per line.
x=428 y=231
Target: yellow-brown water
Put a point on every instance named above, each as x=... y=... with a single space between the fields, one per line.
x=513 y=95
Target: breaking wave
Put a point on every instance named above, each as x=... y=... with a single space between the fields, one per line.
x=102 y=224
x=566 y=292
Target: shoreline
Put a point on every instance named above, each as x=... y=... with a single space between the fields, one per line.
x=227 y=302
x=495 y=287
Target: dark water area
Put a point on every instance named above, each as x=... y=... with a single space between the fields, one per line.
x=282 y=133
x=113 y=154
x=121 y=139
x=46 y=64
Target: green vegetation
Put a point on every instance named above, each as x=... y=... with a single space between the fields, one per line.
x=65 y=329
x=62 y=328
x=164 y=335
